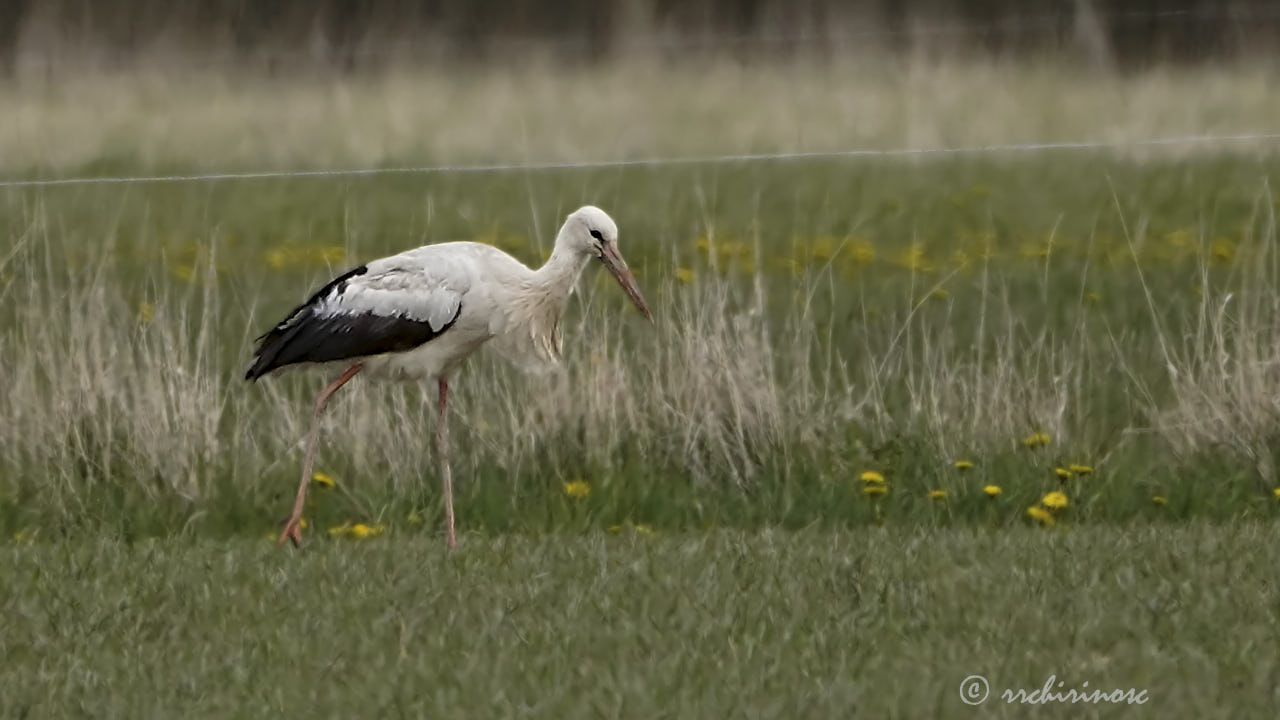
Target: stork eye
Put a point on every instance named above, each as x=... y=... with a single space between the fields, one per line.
x=596 y=234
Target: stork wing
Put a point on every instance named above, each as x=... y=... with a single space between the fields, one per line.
x=389 y=305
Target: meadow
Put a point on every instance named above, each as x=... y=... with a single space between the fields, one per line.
x=1035 y=392
x=883 y=623
x=815 y=321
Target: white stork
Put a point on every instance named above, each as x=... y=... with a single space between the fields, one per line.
x=418 y=314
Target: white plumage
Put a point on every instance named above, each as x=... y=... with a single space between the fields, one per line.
x=417 y=315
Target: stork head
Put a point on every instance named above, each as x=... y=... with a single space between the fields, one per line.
x=590 y=231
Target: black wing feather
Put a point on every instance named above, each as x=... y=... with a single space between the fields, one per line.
x=306 y=337
x=336 y=286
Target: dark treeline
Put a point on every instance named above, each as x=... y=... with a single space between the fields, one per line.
x=351 y=34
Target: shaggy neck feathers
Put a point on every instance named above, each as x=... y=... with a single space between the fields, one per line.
x=536 y=322
x=560 y=272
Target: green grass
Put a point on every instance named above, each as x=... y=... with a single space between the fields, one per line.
x=874 y=622
x=815 y=320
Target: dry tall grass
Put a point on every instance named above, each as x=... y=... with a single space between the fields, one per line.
x=721 y=389
x=739 y=383
x=556 y=114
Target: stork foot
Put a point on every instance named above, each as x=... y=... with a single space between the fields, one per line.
x=293 y=532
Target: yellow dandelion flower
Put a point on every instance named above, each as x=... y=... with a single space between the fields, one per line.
x=1055 y=500
x=824 y=246
x=514 y=242
x=963 y=465
x=1033 y=250
x=1080 y=469
x=992 y=491
x=332 y=255
x=875 y=490
x=146 y=312
x=340 y=530
x=871 y=477
x=1160 y=500
x=1037 y=440
x=1180 y=238
x=937 y=494
x=1040 y=515
x=415 y=517
x=915 y=259
x=360 y=531
x=1276 y=493
x=323 y=480
x=684 y=275
x=1062 y=473
x=277 y=259
x=1223 y=249
x=728 y=250
x=863 y=253
x=302 y=523
x=577 y=489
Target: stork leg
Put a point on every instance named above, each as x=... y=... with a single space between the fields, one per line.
x=442 y=450
x=293 y=528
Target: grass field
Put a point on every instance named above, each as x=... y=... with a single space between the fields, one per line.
x=815 y=321
x=899 y=420
x=870 y=622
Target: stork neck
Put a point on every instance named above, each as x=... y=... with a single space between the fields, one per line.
x=561 y=270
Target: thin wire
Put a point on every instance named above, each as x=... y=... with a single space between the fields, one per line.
x=651 y=162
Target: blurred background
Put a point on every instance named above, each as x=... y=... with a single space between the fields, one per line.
x=351 y=35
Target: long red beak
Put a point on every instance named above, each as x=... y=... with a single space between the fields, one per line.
x=613 y=260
